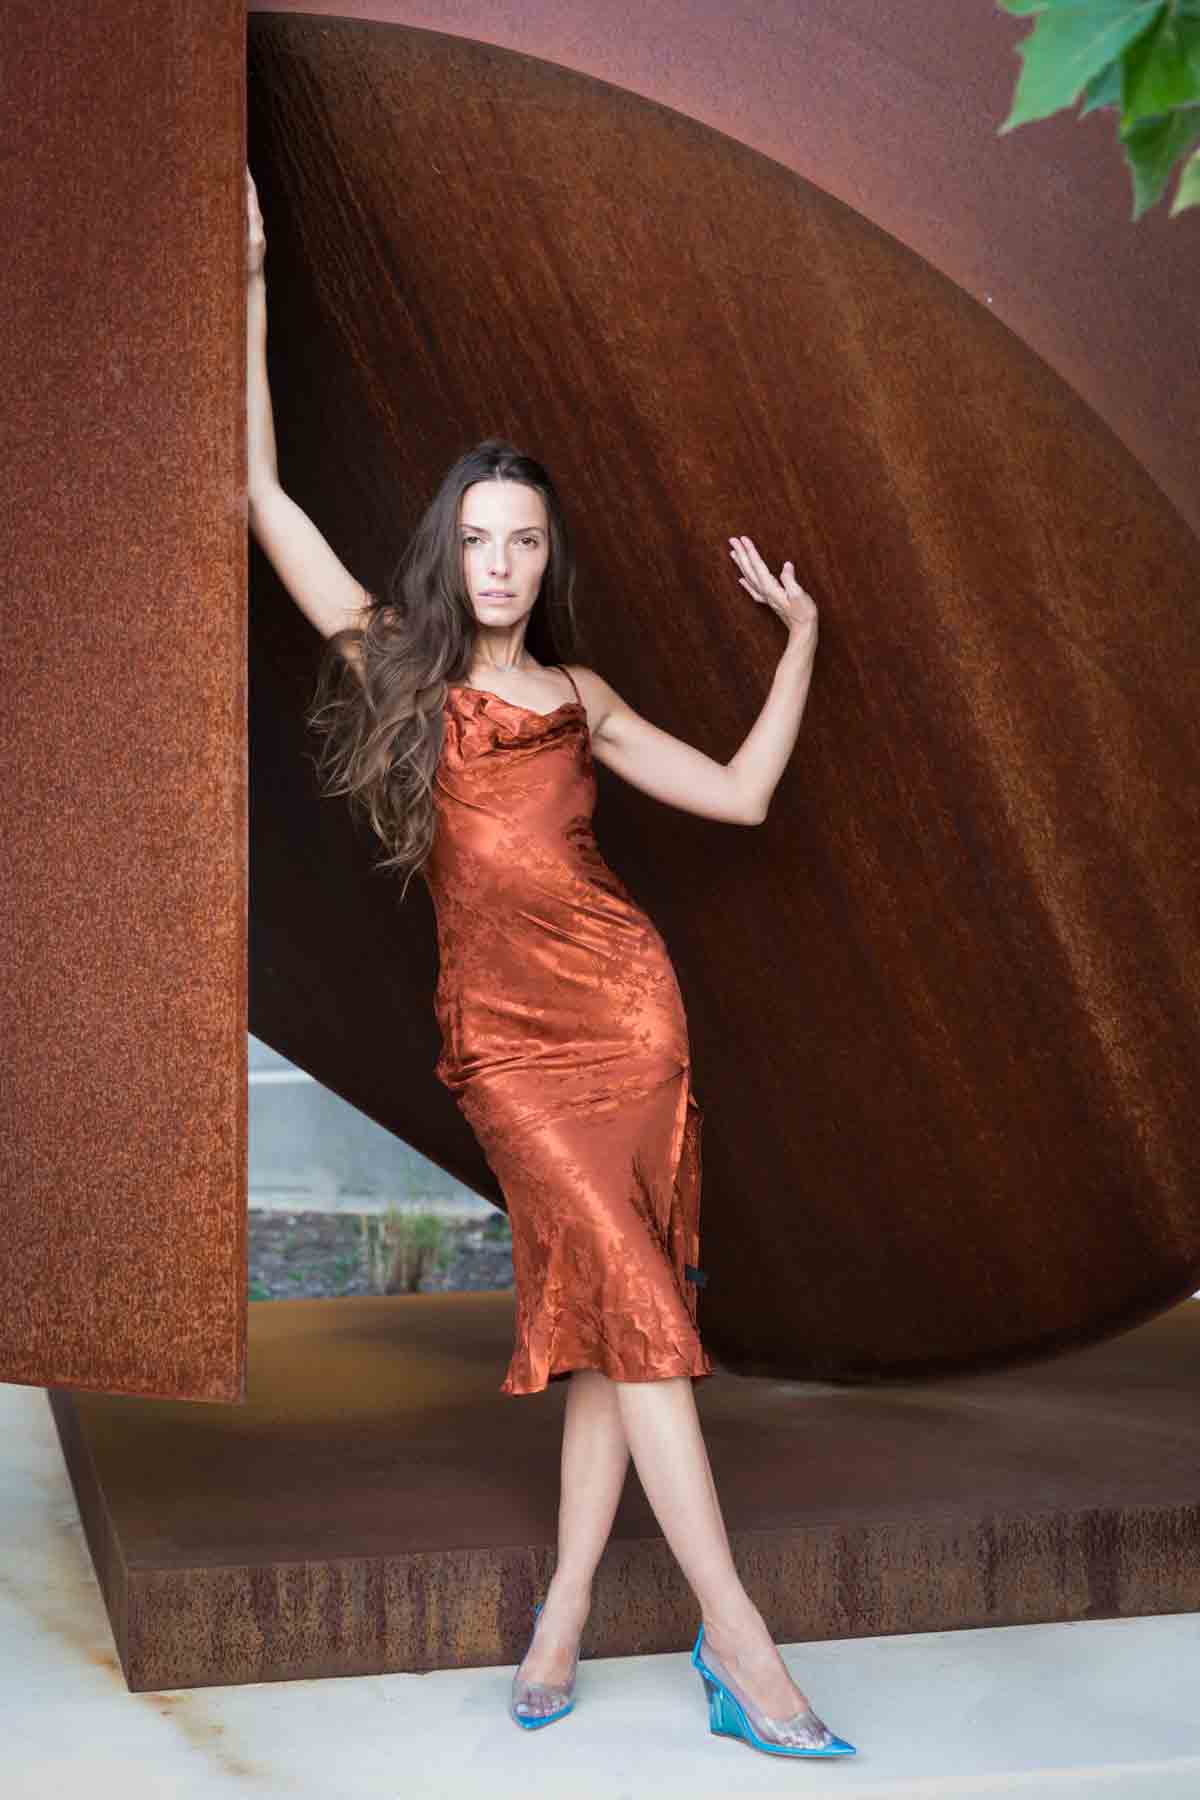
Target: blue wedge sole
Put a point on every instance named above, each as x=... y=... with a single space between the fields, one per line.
x=726 y=1718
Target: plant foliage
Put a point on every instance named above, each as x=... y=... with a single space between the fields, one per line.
x=1141 y=59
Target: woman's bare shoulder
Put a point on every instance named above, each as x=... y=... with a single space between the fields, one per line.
x=585 y=676
x=599 y=696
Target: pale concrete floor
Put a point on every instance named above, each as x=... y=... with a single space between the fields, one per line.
x=1063 y=1711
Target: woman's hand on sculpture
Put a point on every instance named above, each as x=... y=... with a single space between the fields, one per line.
x=256 y=237
x=784 y=596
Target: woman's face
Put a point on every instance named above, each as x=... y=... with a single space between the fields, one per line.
x=505 y=548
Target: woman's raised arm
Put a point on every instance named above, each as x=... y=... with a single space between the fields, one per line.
x=318 y=581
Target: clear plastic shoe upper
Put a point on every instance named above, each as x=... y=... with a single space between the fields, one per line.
x=534 y=1699
x=803 y=1730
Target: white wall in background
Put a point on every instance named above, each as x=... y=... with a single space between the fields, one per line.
x=311 y=1150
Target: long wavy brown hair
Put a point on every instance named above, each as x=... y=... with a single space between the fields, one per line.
x=381 y=686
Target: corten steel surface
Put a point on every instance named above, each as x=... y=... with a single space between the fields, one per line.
x=123 y=838
x=894 y=108
x=373 y=1508
x=944 y=1002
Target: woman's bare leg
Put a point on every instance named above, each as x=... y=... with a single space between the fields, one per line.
x=662 y=1429
x=595 y=1459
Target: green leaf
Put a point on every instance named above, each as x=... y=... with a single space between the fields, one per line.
x=1037 y=6
x=1188 y=191
x=1070 y=45
x=1152 y=146
x=1162 y=69
x=1103 y=89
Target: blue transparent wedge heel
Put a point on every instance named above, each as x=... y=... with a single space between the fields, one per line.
x=535 y=1703
x=732 y=1713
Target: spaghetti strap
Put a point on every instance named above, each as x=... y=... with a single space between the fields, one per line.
x=571 y=679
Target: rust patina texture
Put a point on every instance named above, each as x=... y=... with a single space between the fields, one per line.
x=944 y=1002
x=124 y=833
x=373 y=1507
x=894 y=108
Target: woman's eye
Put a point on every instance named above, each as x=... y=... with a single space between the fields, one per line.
x=473 y=538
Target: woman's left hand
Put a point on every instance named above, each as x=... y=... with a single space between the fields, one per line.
x=785 y=596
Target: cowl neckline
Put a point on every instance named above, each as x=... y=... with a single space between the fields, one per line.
x=483 y=695
x=484 y=719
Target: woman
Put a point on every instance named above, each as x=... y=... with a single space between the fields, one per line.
x=564 y=1038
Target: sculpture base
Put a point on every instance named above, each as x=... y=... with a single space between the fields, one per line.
x=377 y=1504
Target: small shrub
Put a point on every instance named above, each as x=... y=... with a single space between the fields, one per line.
x=400 y=1247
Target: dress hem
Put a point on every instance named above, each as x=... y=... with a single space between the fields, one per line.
x=557 y=1374
x=681 y=1242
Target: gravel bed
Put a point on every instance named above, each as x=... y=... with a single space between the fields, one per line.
x=318 y=1255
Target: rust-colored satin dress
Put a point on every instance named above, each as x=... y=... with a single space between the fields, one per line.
x=565 y=1044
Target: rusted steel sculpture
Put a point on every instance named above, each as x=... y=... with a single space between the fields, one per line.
x=944 y=1002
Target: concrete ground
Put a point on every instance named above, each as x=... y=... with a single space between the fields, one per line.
x=1070 y=1711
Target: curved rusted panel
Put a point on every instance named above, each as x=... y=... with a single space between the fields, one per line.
x=895 y=111
x=944 y=1002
